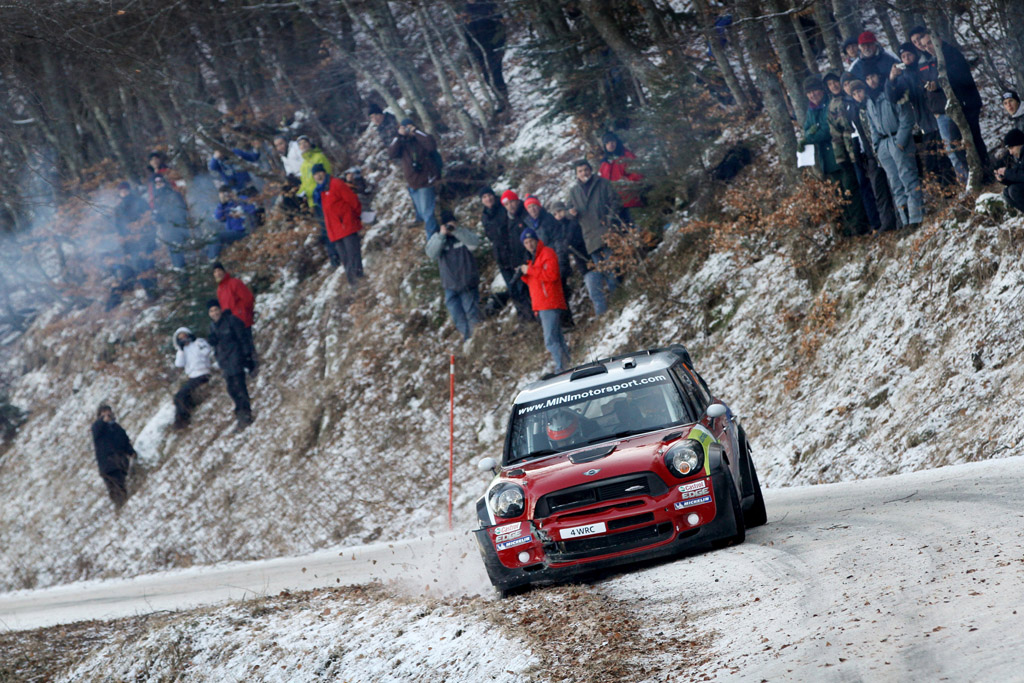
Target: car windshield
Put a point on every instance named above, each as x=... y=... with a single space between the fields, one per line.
x=590 y=416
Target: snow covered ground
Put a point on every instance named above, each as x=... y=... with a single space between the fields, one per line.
x=917 y=576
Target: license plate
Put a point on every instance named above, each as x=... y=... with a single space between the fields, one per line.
x=587 y=530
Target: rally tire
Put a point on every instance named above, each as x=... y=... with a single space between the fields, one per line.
x=755 y=515
x=737 y=513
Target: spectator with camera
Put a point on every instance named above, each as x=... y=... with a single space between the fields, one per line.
x=416 y=151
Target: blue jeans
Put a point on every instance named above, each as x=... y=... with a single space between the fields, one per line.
x=463 y=306
x=950 y=134
x=423 y=201
x=554 y=340
x=595 y=280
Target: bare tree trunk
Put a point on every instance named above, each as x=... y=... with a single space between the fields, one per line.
x=469 y=128
x=462 y=40
x=890 y=32
x=407 y=84
x=706 y=22
x=446 y=58
x=1011 y=16
x=847 y=17
x=824 y=19
x=805 y=45
x=620 y=44
x=792 y=74
x=955 y=111
x=771 y=90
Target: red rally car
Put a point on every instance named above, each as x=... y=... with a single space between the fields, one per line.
x=612 y=462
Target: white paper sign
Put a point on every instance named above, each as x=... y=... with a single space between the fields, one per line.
x=805 y=157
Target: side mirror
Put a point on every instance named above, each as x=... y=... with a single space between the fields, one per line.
x=716 y=410
x=487 y=464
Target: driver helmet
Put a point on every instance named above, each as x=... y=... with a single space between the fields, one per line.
x=563 y=426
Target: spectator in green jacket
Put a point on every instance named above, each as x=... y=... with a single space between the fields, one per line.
x=816 y=130
x=311 y=156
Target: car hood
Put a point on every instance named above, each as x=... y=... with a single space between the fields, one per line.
x=624 y=456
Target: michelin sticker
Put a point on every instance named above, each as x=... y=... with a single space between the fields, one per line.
x=512 y=544
x=691 y=503
x=505 y=528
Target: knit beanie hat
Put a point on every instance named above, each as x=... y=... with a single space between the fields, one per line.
x=508 y=196
x=1013 y=138
x=812 y=83
x=530 y=233
x=212 y=302
x=830 y=76
x=530 y=201
x=866 y=38
x=317 y=168
x=374 y=108
x=486 y=189
x=909 y=47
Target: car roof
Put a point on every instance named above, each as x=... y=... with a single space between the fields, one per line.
x=602 y=372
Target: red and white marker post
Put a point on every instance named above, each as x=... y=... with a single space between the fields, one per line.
x=451 y=435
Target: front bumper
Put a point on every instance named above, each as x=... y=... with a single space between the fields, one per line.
x=552 y=562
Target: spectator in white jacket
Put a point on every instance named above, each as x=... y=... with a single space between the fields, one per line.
x=196 y=357
x=290 y=155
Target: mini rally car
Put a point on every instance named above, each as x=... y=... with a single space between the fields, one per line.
x=612 y=462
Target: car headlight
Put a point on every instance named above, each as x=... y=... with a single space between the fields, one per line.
x=685 y=458
x=507 y=500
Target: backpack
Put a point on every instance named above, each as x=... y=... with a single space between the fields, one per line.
x=435 y=158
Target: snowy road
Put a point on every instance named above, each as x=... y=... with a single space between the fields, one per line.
x=418 y=563
x=918 y=576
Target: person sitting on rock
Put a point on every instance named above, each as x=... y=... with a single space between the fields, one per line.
x=1012 y=174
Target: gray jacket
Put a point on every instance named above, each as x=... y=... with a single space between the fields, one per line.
x=597 y=203
x=455 y=258
x=890 y=120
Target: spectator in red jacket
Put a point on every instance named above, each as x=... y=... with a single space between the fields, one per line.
x=614 y=169
x=342 y=216
x=541 y=275
x=234 y=296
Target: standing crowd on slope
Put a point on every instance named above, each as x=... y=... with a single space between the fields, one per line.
x=876 y=130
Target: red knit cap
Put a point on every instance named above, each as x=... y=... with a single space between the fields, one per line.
x=530 y=201
x=866 y=37
x=508 y=196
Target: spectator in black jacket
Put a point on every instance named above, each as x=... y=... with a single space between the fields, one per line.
x=962 y=83
x=384 y=122
x=508 y=251
x=171 y=216
x=234 y=352
x=452 y=246
x=485 y=28
x=114 y=453
x=1012 y=174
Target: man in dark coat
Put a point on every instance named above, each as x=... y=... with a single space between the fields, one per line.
x=595 y=203
x=385 y=123
x=234 y=356
x=960 y=80
x=171 y=215
x=508 y=251
x=114 y=453
x=1012 y=175
x=416 y=151
x=485 y=29
x=452 y=246
x=872 y=58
